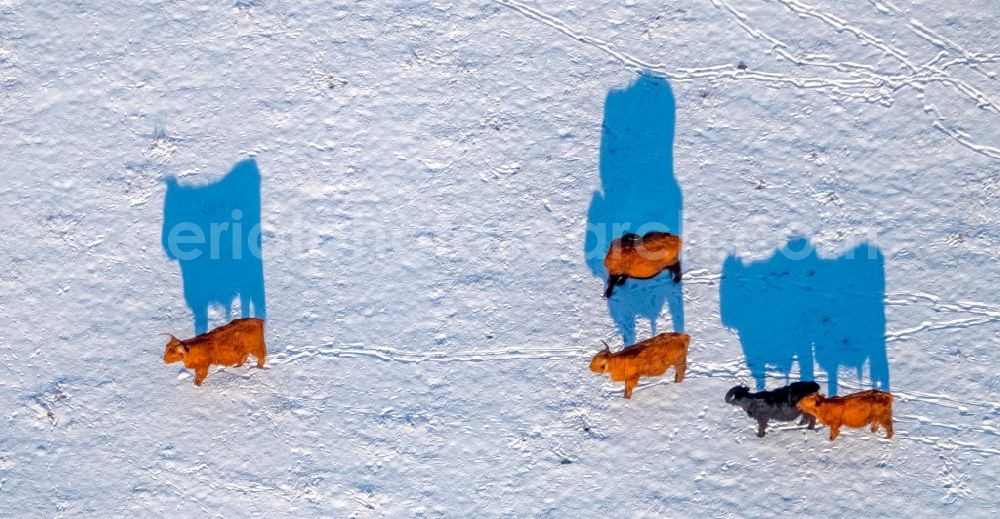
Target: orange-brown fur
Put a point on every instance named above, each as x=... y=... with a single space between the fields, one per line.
x=228 y=345
x=649 y=358
x=856 y=410
x=643 y=257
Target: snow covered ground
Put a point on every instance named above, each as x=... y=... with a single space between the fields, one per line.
x=431 y=175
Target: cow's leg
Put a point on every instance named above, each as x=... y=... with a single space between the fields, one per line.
x=811 y=419
x=834 y=431
x=630 y=385
x=675 y=271
x=679 y=370
x=261 y=354
x=613 y=280
x=875 y=426
x=199 y=375
x=888 y=427
x=239 y=344
x=761 y=426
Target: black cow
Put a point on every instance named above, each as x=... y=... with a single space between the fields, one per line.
x=778 y=404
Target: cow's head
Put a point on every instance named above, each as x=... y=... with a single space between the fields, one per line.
x=810 y=403
x=737 y=392
x=631 y=239
x=599 y=364
x=800 y=389
x=176 y=350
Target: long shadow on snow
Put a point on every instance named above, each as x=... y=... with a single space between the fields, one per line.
x=638 y=194
x=213 y=231
x=796 y=306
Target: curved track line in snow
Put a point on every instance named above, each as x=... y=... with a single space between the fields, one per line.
x=946 y=443
x=919 y=78
x=980 y=313
x=842 y=25
x=863 y=82
x=733 y=370
x=923 y=420
x=963 y=138
x=394 y=355
x=972 y=59
x=558 y=25
x=905 y=298
x=710 y=73
x=930 y=326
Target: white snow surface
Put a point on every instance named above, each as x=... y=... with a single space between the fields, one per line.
x=426 y=172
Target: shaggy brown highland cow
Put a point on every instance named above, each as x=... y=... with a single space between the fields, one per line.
x=228 y=345
x=649 y=358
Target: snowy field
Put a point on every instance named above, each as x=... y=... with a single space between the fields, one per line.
x=434 y=183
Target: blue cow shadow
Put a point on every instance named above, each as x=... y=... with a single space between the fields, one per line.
x=798 y=307
x=213 y=232
x=638 y=194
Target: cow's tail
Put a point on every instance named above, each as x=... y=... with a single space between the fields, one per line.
x=885 y=414
x=261 y=352
x=884 y=401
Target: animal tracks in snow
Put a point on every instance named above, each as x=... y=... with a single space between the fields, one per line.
x=961 y=314
x=395 y=355
x=840 y=80
x=953 y=314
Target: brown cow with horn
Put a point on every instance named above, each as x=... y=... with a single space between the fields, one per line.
x=649 y=358
x=229 y=345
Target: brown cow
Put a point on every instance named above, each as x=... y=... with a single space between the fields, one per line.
x=649 y=358
x=855 y=410
x=642 y=257
x=229 y=345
